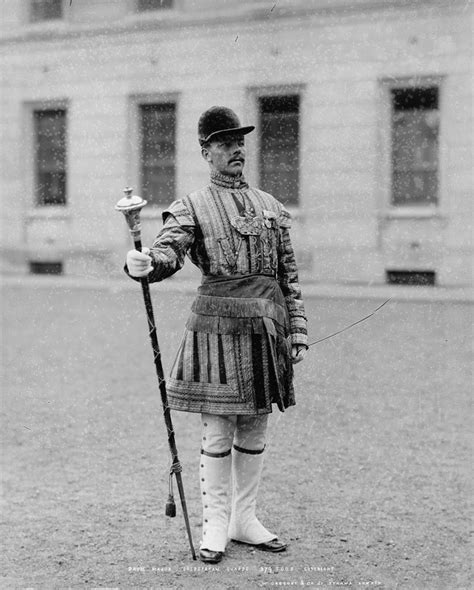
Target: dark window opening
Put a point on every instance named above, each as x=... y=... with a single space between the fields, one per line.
x=406 y=99
x=279 y=147
x=50 y=157
x=415 y=131
x=411 y=277
x=46 y=268
x=144 y=5
x=41 y=10
x=158 y=151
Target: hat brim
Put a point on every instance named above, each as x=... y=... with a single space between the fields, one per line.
x=231 y=131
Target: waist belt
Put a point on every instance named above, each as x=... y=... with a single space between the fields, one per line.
x=227 y=306
x=233 y=307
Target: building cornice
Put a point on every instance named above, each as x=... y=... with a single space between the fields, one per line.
x=246 y=14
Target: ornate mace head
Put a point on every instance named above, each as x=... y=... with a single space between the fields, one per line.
x=130 y=206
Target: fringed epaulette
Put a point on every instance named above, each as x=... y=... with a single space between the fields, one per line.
x=180 y=212
x=284 y=219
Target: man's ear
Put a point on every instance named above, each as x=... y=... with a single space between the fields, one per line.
x=205 y=154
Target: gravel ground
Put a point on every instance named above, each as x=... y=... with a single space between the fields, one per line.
x=367 y=477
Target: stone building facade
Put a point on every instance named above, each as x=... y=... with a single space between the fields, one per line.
x=363 y=111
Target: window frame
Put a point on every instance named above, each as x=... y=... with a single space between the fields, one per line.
x=135 y=143
x=28 y=157
x=254 y=141
x=386 y=207
x=37 y=169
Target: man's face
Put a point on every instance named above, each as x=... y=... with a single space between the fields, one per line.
x=226 y=154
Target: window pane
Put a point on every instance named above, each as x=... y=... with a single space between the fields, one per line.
x=158 y=153
x=154 y=4
x=279 y=147
x=50 y=160
x=415 y=130
x=46 y=10
x=415 y=140
x=414 y=188
x=407 y=99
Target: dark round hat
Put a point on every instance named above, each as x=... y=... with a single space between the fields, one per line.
x=219 y=120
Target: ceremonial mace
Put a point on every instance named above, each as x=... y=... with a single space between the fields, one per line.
x=130 y=206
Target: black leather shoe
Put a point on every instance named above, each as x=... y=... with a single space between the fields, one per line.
x=209 y=556
x=273 y=546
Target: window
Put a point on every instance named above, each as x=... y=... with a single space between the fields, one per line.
x=153 y=4
x=279 y=147
x=50 y=156
x=411 y=277
x=41 y=10
x=158 y=150
x=415 y=128
x=46 y=268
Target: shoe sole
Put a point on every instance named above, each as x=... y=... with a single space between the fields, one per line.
x=210 y=560
x=279 y=550
x=261 y=548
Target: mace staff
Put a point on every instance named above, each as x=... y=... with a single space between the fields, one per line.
x=130 y=206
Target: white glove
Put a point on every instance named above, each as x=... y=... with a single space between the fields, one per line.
x=139 y=263
x=298 y=352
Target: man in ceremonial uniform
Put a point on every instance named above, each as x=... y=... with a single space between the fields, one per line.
x=246 y=329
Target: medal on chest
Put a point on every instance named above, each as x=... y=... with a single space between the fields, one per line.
x=247 y=225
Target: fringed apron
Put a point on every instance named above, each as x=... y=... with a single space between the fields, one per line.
x=235 y=356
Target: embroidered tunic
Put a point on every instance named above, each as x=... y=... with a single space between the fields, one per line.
x=235 y=355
